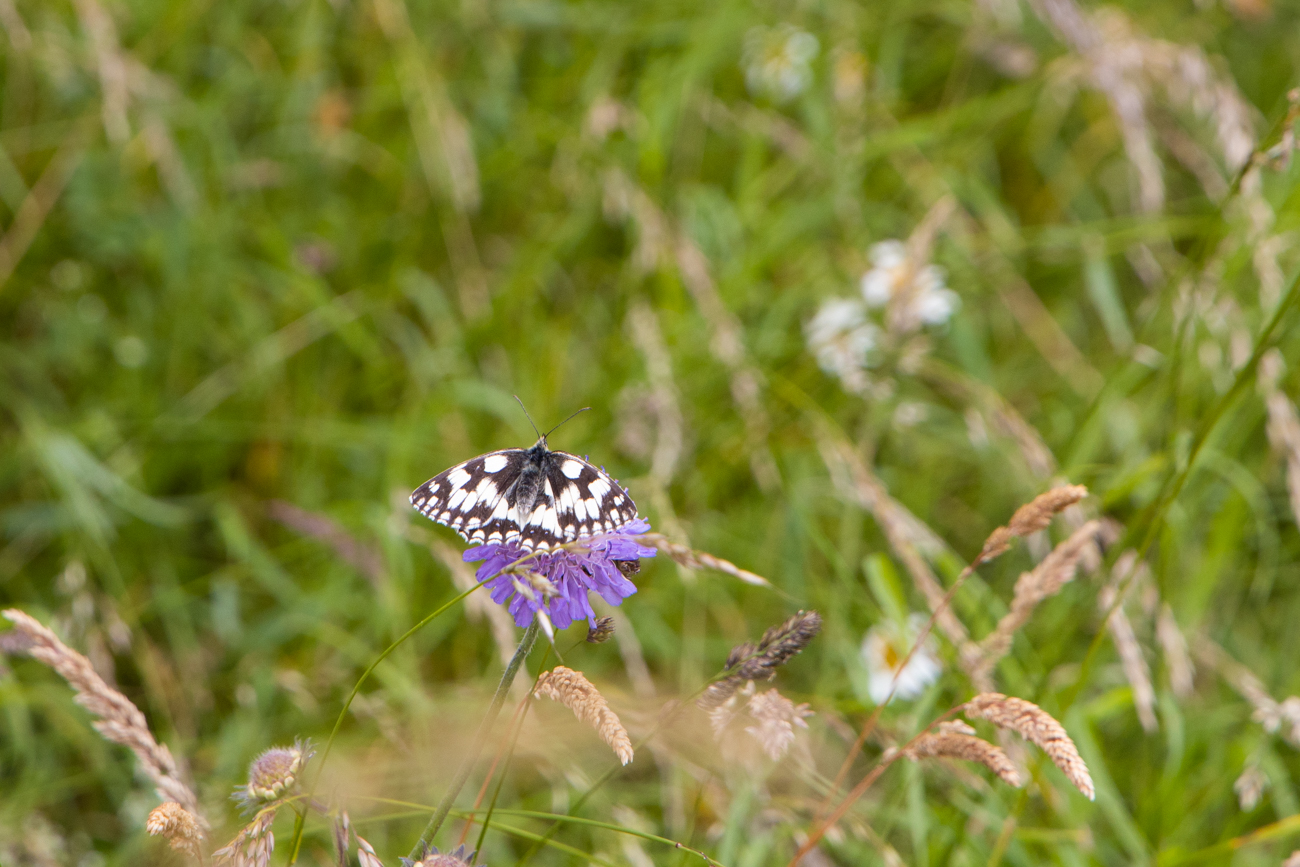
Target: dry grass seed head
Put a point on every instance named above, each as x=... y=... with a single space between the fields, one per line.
x=579 y=695
x=1033 y=516
x=178 y=825
x=1044 y=581
x=366 y=856
x=253 y=845
x=748 y=661
x=776 y=717
x=777 y=646
x=1038 y=727
x=959 y=742
x=120 y=721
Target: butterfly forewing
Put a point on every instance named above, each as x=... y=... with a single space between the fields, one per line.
x=589 y=501
x=478 y=499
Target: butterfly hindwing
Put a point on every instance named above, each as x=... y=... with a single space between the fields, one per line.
x=480 y=498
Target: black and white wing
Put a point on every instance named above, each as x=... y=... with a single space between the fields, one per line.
x=566 y=498
x=585 y=500
x=472 y=497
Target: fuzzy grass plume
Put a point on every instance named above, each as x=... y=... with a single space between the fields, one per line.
x=1038 y=727
x=760 y=661
x=178 y=826
x=1033 y=516
x=1042 y=582
x=956 y=740
x=571 y=689
x=120 y=721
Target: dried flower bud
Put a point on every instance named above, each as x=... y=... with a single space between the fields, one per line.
x=177 y=824
x=274 y=773
x=601 y=630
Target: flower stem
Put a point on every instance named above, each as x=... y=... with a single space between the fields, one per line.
x=480 y=738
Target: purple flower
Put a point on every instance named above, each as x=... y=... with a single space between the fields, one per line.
x=597 y=563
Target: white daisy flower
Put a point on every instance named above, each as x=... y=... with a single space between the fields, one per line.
x=840 y=337
x=778 y=61
x=883 y=650
x=916 y=295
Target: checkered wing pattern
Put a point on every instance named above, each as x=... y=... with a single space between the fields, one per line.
x=479 y=499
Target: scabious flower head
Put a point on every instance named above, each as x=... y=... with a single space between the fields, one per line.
x=274 y=773
x=778 y=61
x=840 y=337
x=885 y=647
x=431 y=857
x=557 y=582
x=914 y=291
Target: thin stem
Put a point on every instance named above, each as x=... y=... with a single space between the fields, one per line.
x=480 y=738
x=329 y=744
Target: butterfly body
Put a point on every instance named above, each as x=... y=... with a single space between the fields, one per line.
x=535 y=498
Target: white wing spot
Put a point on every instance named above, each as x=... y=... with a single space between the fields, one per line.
x=487 y=490
x=494 y=463
x=458 y=478
x=599 y=488
x=571 y=469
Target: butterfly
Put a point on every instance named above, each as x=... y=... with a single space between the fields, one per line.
x=535 y=498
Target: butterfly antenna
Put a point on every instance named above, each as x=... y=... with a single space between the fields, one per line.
x=529 y=417
x=566 y=421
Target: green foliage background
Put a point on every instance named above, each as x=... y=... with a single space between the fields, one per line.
x=307 y=251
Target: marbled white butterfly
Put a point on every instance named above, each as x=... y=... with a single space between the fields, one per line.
x=535 y=498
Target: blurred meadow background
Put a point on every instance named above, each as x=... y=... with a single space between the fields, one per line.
x=844 y=284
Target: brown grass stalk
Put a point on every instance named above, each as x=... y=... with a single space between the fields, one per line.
x=1037 y=512
x=478 y=606
x=1121 y=631
x=1177 y=659
x=1270 y=713
x=40 y=199
x=1044 y=581
x=660 y=243
x=908 y=536
x=1038 y=727
x=692 y=559
x=571 y=689
x=1283 y=426
x=365 y=558
x=120 y=721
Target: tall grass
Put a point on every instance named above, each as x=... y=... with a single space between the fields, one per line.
x=266 y=267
